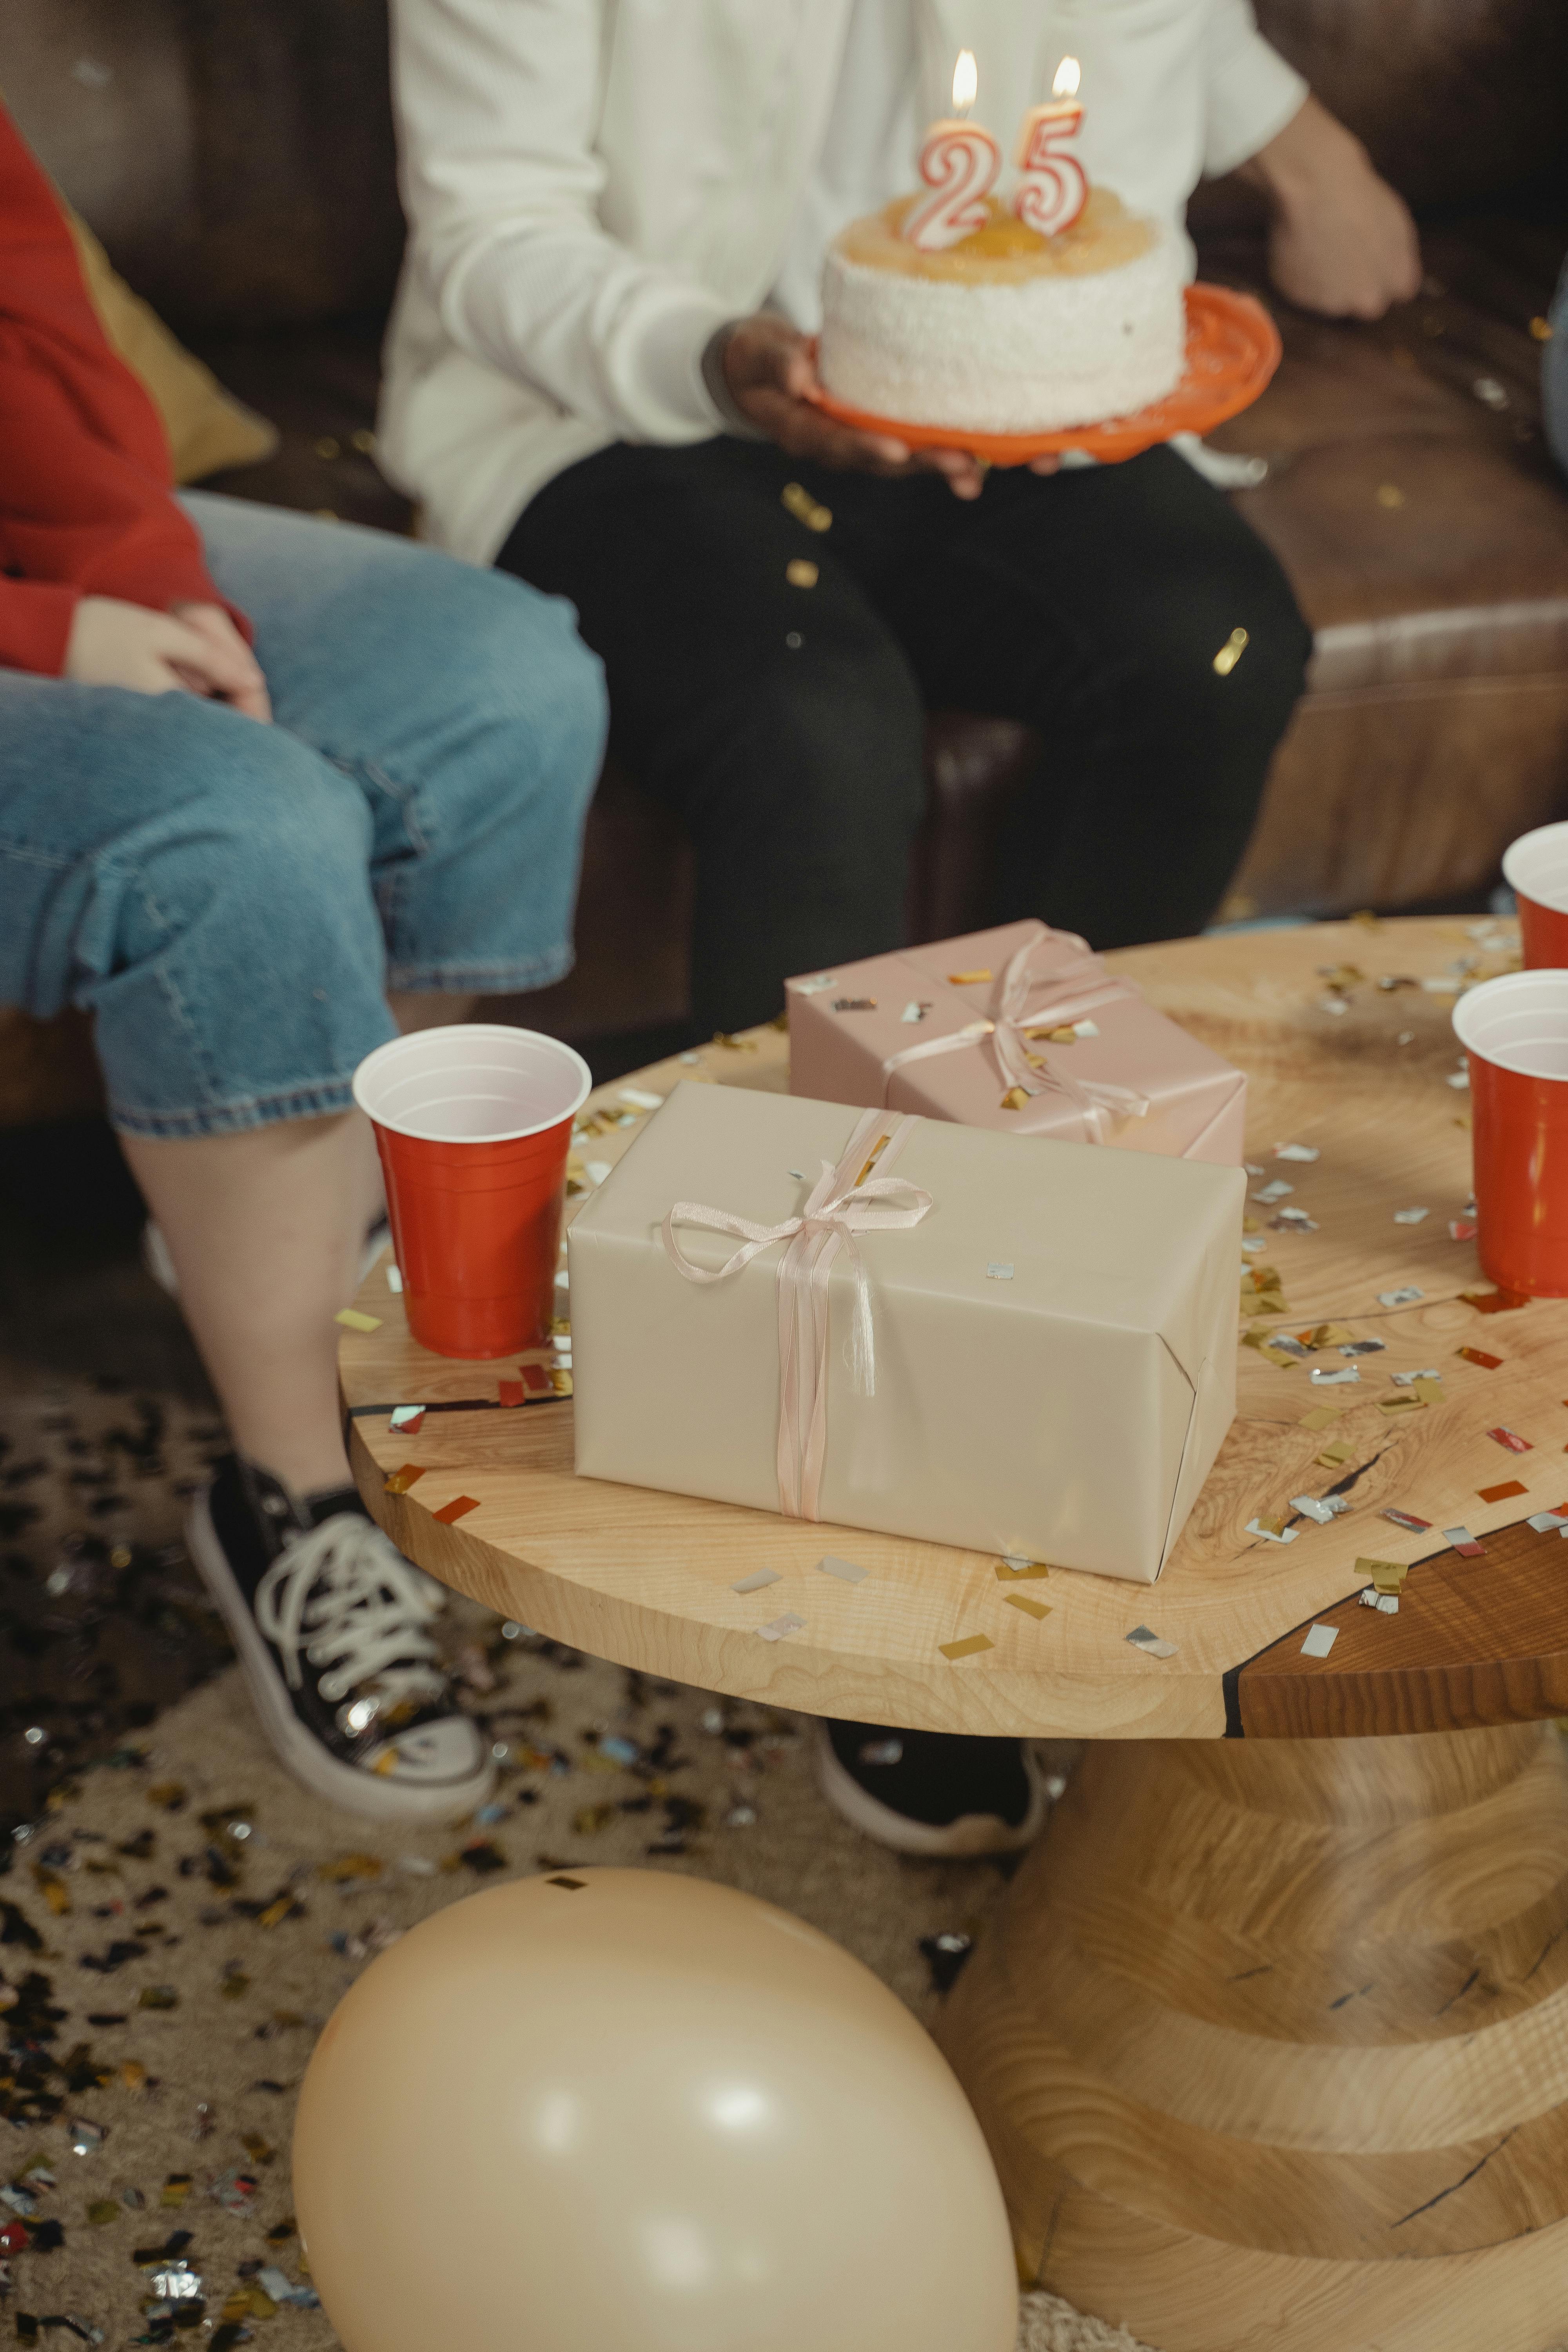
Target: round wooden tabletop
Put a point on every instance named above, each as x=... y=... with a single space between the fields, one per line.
x=1344 y=1031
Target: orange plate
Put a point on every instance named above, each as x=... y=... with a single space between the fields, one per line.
x=1233 y=349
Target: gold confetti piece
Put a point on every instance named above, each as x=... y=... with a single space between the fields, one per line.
x=969 y=978
x=1388 y=1575
x=1021 y=1601
x=1389 y=495
x=1429 y=1392
x=805 y=508
x=734 y=1045
x=1272 y=1522
x=133 y=2075
x=560 y=1382
x=104 y=2208
x=967 y=1649
x=1406 y=1401
x=1334 y=1457
x=459 y=1506
x=176 y=2188
x=1328 y=1335
x=1540 y=329
x=400 y=1480
x=1280 y=1355
x=1061 y=1037
x=327 y=447
x=1014 y=1099
x=386 y=1763
x=169 y=1795
x=353 y=1320
x=349 y=1866
x=1322 y=1416
x=276 y=1913
x=1026 y=1573
x=362 y=439
x=1230 y=653
x=802 y=573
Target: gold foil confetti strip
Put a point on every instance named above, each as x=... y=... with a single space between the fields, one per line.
x=1335 y=1456
x=560 y=1382
x=1014 y=1099
x=457 y=1508
x=1388 y=1575
x=1405 y=1400
x=1021 y=1601
x=1230 y=653
x=969 y=1648
x=1322 y=1416
x=350 y=1866
x=1430 y=1391
x=801 y=572
x=353 y=1320
x=1020 y=1571
x=969 y=978
x=400 y=1480
x=805 y=508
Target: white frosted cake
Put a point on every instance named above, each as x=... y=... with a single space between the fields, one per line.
x=1007 y=332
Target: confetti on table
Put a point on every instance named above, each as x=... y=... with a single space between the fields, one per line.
x=1250 y=1167
x=1411 y=1216
x=1324 y=1512
x=998 y=1271
x=1462 y=1229
x=1322 y=1378
x=1362 y=1346
x=1410 y=1379
x=848 y=1570
x=1336 y=1335
x=1479 y=1356
x=1511 y=1438
x=756 y=1580
x=457 y=1508
x=969 y=979
x=1272 y=1530
x=1405 y=1298
x=1276 y=1191
x=1547 y=1522
x=407 y=1417
x=1510 y=1487
x=353 y=1320
x=1014 y=1567
x=1322 y=1416
x=787 y=1623
x=1387 y=1604
x=1335 y=1456
x=640 y=1099
x=1144 y=1638
x=1320 y=1641
x=1405 y=1400
x=1280 y=1343
x=1408 y=1520
x=1292 y=1221
x=914 y=1012
x=510 y=1393
x=400 y=1480
x=1021 y=1601
x=805 y=508
x=1387 y=1575
x=1464 y=1543
x=1296 y=1151
x=595 y=1170
x=1494 y=1302
x=975 y=1641
x=394 y=1278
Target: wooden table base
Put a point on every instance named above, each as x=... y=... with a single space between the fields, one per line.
x=1270 y=2042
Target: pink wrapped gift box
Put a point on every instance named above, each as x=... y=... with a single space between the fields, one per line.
x=1020 y=1028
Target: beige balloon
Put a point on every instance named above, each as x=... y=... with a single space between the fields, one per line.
x=620 y=2110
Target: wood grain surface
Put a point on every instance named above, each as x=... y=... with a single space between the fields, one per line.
x=1270 y=2043
x=647 y=1578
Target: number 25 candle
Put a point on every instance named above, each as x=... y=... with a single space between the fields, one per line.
x=959 y=163
x=1053 y=189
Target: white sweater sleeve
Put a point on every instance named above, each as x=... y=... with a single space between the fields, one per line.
x=1250 y=92
x=496 y=102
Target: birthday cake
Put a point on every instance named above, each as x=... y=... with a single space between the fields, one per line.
x=1005 y=331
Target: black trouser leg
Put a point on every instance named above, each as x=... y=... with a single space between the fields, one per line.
x=781 y=722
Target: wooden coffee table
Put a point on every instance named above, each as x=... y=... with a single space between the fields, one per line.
x=1271 y=2040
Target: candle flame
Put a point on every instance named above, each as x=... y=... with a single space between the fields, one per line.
x=965 y=81
x=1068 y=77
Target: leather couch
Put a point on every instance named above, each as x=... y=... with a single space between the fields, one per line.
x=239 y=165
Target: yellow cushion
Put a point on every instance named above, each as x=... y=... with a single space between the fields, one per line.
x=208 y=428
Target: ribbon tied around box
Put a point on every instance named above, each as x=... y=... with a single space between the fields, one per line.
x=1074 y=985
x=846 y=1202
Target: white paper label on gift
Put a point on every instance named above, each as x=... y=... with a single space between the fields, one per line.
x=755 y=1582
x=1320 y=1641
x=849 y=1570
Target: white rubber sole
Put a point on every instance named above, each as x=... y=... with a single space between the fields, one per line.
x=373 y=1796
x=971 y=1834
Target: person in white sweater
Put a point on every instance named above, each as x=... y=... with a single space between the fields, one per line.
x=595 y=377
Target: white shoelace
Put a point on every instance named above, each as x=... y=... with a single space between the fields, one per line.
x=346 y=1597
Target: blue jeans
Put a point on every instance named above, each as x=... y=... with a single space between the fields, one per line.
x=231 y=901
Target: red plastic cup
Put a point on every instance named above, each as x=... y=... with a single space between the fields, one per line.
x=1515 y=1031
x=1535 y=867
x=473 y=1125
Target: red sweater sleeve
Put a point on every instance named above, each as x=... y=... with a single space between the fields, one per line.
x=86 y=488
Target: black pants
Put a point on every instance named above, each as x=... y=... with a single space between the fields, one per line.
x=783 y=722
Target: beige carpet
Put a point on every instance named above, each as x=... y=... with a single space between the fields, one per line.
x=198 y=1917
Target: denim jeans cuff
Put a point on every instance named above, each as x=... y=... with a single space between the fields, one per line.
x=323 y=1099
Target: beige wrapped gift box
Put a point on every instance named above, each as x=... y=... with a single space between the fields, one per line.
x=964 y=1030
x=1053 y=1333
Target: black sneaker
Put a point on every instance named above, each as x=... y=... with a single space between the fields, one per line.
x=932 y=1792
x=328 y=1620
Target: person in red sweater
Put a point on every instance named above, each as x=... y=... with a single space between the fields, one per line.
x=270 y=790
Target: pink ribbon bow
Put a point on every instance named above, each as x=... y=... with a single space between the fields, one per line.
x=1076 y=985
x=846 y=1202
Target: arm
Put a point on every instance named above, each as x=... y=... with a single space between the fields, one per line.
x=497 y=110
x=1341 y=240
x=85 y=503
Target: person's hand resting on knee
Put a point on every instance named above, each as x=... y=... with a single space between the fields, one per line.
x=770 y=377
x=192 y=649
x=1341 y=241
